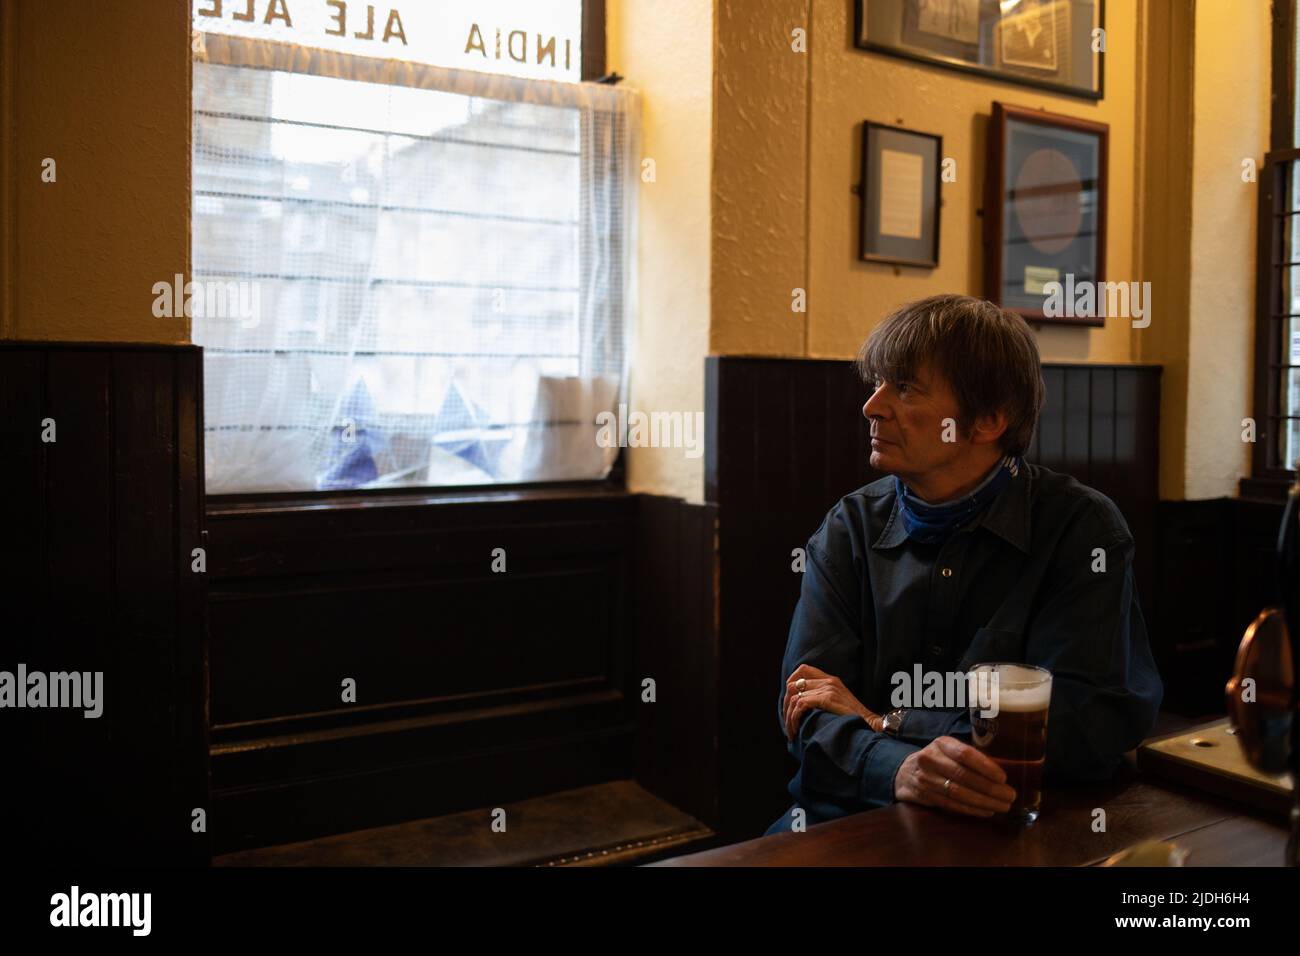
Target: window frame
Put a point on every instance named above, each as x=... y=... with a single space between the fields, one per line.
x=1268 y=475
x=593 y=68
x=593 y=40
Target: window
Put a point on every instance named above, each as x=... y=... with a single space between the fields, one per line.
x=406 y=274
x=1280 y=314
x=1277 y=290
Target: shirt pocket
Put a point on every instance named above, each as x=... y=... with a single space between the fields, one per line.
x=993 y=645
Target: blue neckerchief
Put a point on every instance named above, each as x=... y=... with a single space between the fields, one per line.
x=929 y=523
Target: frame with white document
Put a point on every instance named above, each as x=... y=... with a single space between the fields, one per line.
x=900 y=190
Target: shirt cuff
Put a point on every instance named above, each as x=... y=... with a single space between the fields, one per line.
x=883 y=761
x=920 y=725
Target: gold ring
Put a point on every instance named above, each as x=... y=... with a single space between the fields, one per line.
x=800 y=685
x=947 y=785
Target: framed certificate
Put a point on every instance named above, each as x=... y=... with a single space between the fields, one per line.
x=1044 y=211
x=899 y=223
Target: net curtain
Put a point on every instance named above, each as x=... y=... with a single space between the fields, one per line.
x=430 y=277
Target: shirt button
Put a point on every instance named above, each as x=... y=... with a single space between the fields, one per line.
x=946 y=572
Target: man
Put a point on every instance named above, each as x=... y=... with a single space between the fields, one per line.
x=964 y=554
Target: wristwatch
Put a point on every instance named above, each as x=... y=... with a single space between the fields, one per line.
x=892 y=721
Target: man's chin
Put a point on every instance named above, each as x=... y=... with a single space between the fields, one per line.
x=888 y=462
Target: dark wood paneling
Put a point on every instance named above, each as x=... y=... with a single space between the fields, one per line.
x=1217 y=571
x=1050 y=434
x=787 y=439
x=791 y=441
x=1255 y=529
x=99 y=525
x=24 y=546
x=473 y=686
x=677 y=755
x=1192 y=645
x=407 y=637
x=1105 y=465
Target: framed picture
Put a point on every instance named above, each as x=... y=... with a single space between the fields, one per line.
x=900 y=196
x=1044 y=213
x=1051 y=44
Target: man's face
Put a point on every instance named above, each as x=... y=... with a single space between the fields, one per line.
x=909 y=420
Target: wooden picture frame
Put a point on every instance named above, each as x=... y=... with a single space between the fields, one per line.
x=1046 y=44
x=901 y=194
x=1045 y=201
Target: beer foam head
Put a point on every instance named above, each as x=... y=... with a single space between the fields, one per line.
x=1018 y=689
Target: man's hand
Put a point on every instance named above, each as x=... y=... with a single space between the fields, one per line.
x=822 y=691
x=978 y=786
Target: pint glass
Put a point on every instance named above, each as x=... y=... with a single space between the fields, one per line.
x=1008 y=716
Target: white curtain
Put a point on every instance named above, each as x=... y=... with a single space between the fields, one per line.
x=406 y=275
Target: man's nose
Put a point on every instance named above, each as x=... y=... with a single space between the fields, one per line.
x=874 y=406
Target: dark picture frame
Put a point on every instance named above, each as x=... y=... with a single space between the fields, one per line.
x=1045 y=200
x=901 y=196
x=1046 y=44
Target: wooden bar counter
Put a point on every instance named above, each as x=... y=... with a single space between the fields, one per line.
x=1137 y=808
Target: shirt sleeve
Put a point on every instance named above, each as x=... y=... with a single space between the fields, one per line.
x=922 y=725
x=1089 y=632
x=844 y=766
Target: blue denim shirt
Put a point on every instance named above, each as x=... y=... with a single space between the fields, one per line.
x=1021 y=581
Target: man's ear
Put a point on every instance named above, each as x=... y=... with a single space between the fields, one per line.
x=989 y=428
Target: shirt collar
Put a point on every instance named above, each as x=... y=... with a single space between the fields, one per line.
x=1007 y=516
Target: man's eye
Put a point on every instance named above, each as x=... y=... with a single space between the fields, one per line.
x=903 y=388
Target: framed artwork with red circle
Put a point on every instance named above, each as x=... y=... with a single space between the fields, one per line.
x=1045 y=215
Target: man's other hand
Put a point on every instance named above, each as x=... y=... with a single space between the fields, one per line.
x=822 y=691
x=977 y=787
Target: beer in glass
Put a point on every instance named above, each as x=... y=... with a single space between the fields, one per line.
x=1008 y=716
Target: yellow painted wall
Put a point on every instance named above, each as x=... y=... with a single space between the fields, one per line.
x=1165 y=144
x=760 y=177
x=664 y=49
x=850 y=85
x=103 y=88
x=788 y=153
x=1231 y=124
x=1207 y=109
